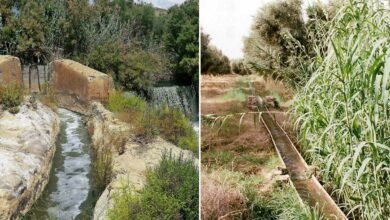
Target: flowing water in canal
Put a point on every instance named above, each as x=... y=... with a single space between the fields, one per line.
x=68 y=193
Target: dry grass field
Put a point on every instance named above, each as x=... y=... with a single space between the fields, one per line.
x=242 y=176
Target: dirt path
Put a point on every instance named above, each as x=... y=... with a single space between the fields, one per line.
x=306 y=184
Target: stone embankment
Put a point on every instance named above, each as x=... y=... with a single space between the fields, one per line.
x=10 y=70
x=130 y=159
x=27 y=139
x=27 y=146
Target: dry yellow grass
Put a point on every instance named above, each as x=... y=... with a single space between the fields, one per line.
x=220 y=201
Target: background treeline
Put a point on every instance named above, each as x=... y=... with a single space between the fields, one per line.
x=136 y=43
x=280 y=45
x=213 y=61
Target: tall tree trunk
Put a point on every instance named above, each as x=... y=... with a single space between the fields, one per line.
x=39 y=82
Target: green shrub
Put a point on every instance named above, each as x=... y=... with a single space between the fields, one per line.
x=282 y=204
x=175 y=127
x=170 y=192
x=146 y=127
x=133 y=110
x=139 y=69
x=118 y=102
x=189 y=142
x=14 y=110
x=11 y=96
x=172 y=124
x=239 y=67
x=148 y=121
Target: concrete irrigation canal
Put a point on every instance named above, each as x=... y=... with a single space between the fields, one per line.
x=306 y=184
x=67 y=193
x=47 y=153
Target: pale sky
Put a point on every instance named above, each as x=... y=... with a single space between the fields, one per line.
x=163 y=3
x=157 y=3
x=228 y=21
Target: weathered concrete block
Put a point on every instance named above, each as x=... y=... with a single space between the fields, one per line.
x=10 y=70
x=73 y=78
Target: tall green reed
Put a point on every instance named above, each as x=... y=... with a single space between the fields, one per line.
x=343 y=111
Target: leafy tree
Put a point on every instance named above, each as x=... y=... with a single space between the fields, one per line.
x=278 y=41
x=182 y=40
x=213 y=60
x=73 y=26
x=7 y=27
x=317 y=27
x=143 y=17
x=159 y=25
x=31 y=37
x=131 y=67
x=239 y=67
x=137 y=70
x=54 y=17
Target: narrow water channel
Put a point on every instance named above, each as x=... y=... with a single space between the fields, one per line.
x=68 y=193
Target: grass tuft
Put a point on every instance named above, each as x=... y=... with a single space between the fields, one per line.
x=11 y=96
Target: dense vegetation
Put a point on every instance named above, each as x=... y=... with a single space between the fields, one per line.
x=281 y=44
x=149 y=121
x=343 y=111
x=213 y=60
x=170 y=192
x=182 y=40
x=11 y=97
x=338 y=61
x=239 y=67
x=134 y=42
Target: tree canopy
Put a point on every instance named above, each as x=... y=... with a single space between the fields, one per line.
x=281 y=44
x=134 y=42
x=182 y=40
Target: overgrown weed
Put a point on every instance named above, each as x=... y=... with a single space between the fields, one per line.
x=11 y=96
x=149 y=121
x=170 y=192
